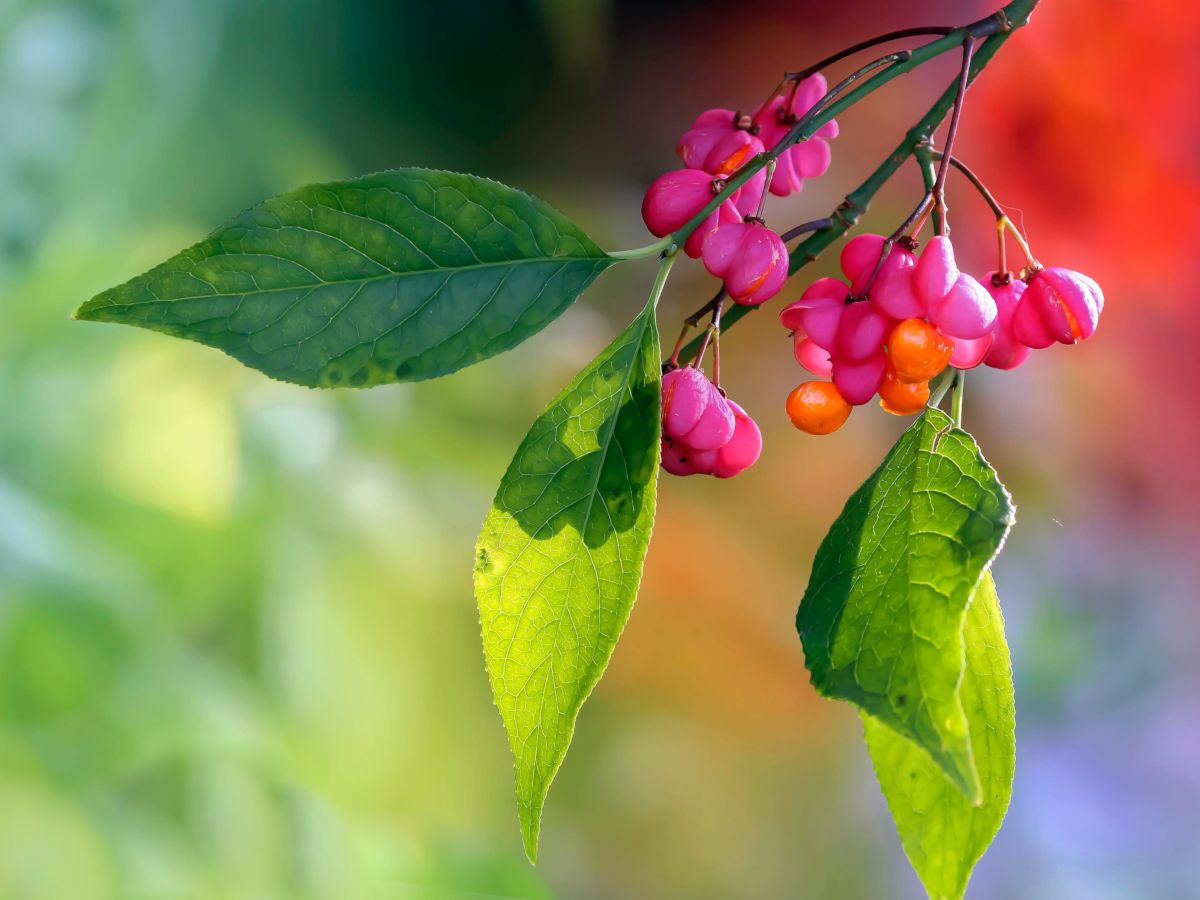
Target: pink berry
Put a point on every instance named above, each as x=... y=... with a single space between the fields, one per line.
x=936 y=272
x=716 y=143
x=715 y=427
x=1067 y=304
x=675 y=197
x=684 y=396
x=726 y=214
x=1006 y=351
x=894 y=291
x=858 y=382
x=970 y=352
x=967 y=311
x=676 y=457
x=860 y=333
x=751 y=259
x=818 y=311
x=703 y=461
x=743 y=449
x=807 y=159
x=859 y=258
x=812 y=357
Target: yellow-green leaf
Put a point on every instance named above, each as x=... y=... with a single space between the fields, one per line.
x=560 y=555
x=943 y=833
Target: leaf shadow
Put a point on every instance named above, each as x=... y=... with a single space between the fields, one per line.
x=552 y=486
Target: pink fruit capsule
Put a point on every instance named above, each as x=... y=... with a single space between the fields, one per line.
x=858 y=382
x=936 y=271
x=894 y=292
x=818 y=311
x=1027 y=327
x=812 y=357
x=715 y=427
x=684 y=396
x=1067 y=303
x=699 y=144
x=967 y=311
x=675 y=197
x=676 y=457
x=725 y=214
x=751 y=259
x=743 y=449
x=776 y=117
x=859 y=258
x=860 y=333
x=968 y=353
x=806 y=159
x=1006 y=351
x=703 y=461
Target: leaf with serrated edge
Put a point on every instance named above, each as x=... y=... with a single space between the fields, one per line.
x=560 y=556
x=397 y=276
x=943 y=834
x=881 y=620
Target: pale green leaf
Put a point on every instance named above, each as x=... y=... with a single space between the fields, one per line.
x=943 y=833
x=882 y=618
x=397 y=276
x=560 y=555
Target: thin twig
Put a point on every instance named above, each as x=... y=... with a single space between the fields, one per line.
x=864 y=45
x=964 y=79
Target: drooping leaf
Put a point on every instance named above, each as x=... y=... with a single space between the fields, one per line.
x=560 y=555
x=943 y=833
x=397 y=276
x=882 y=618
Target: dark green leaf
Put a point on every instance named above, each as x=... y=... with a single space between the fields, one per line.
x=560 y=555
x=882 y=618
x=397 y=276
x=943 y=833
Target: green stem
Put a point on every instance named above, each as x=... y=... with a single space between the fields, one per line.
x=924 y=155
x=940 y=389
x=654 y=249
x=847 y=214
x=660 y=279
x=956 y=398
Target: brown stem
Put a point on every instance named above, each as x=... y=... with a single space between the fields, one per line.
x=964 y=79
x=865 y=45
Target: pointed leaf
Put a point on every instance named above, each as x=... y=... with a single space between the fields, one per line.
x=397 y=276
x=882 y=618
x=943 y=833
x=560 y=555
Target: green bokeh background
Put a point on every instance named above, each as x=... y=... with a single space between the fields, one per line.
x=239 y=656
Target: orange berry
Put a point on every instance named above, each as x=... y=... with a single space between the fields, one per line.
x=817 y=407
x=917 y=351
x=900 y=398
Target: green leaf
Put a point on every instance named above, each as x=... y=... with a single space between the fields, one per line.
x=396 y=276
x=560 y=555
x=882 y=618
x=943 y=834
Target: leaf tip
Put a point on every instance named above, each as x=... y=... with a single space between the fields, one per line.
x=529 y=837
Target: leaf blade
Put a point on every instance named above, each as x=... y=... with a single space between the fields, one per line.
x=881 y=620
x=943 y=834
x=563 y=545
x=401 y=275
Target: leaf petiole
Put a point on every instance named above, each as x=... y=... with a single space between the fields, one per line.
x=662 y=246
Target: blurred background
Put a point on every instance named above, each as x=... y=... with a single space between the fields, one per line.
x=239 y=655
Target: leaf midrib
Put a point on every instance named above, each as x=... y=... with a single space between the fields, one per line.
x=95 y=306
